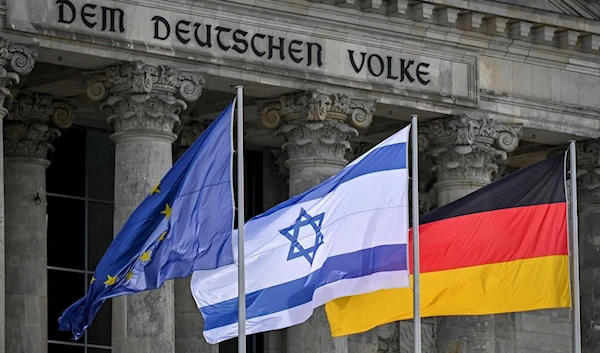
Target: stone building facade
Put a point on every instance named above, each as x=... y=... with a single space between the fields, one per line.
x=99 y=97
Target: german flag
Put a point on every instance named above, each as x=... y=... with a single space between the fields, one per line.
x=503 y=248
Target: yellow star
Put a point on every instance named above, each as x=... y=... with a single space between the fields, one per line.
x=129 y=275
x=93 y=280
x=155 y=189
x=162 y=236
x=145 y=256
x=167 y=211
x=111 y=280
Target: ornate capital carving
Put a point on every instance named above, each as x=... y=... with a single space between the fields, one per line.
x=16 y=60
x=190 y=131
x=317 y=125
x=588 y=172
x=327 y=140
x=467 y=149
x=31 y=125
x=315 y=106
x=145 y=98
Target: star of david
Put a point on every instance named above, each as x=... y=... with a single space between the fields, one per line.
x=292 y=232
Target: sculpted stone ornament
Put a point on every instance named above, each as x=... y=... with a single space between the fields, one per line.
x=588 y=172
x=30 y=128
x=144 y=97
x=15 y=61
x=467 y=149
x=317 y=125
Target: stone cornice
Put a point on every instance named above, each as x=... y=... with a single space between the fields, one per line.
x=489 y=17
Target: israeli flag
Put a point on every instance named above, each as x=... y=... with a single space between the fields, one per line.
x=346 y=236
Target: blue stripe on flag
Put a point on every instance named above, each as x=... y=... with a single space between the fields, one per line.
x=388 y=157
x=300 y=291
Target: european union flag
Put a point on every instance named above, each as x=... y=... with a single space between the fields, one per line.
x=185 y=224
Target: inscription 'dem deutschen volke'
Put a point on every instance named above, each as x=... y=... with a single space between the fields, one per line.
x=259 y=45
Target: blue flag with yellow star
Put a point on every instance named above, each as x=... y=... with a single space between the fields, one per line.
x=183 y=225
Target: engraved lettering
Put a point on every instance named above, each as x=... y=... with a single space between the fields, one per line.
x=238 y=38
x=85 y=15
x=157 y=20
x=179 y=31
x=61 y=11
x=424 y=73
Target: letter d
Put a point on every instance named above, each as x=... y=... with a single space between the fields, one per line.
x=61 y=11
x=156 y=20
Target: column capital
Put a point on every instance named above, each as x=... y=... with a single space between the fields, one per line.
x=16 y=60
x=317 y=126
x=145 y=99
x=190 y=131
x=588 y=172
x=466 y=149
x=315 y=106
x=32 y=125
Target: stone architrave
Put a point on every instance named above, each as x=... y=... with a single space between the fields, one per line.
x=465 y=152
x=188 y=319
x=588 y=207
x=145 y=102
x=29 y=130
x=317 y=128
x=16 y=61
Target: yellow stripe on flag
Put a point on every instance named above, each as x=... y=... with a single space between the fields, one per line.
x=514 y=286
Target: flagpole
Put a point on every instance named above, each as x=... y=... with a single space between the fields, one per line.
x=575 y=235
x=241 y=222
x=415 y=227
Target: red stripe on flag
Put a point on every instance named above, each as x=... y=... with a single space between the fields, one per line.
x=492 y=237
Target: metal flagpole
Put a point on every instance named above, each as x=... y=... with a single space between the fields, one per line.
x=241 y=221
x=415 y=227
x=575 y=235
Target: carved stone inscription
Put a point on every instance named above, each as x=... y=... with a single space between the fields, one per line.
x=252 y=41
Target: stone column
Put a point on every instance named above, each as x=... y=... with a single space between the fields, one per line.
x=16 y=61
x=145 y=102
x=464 y=152
x=588 y=190
x=189 y=323
x=317 y=128
x=28 y=136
